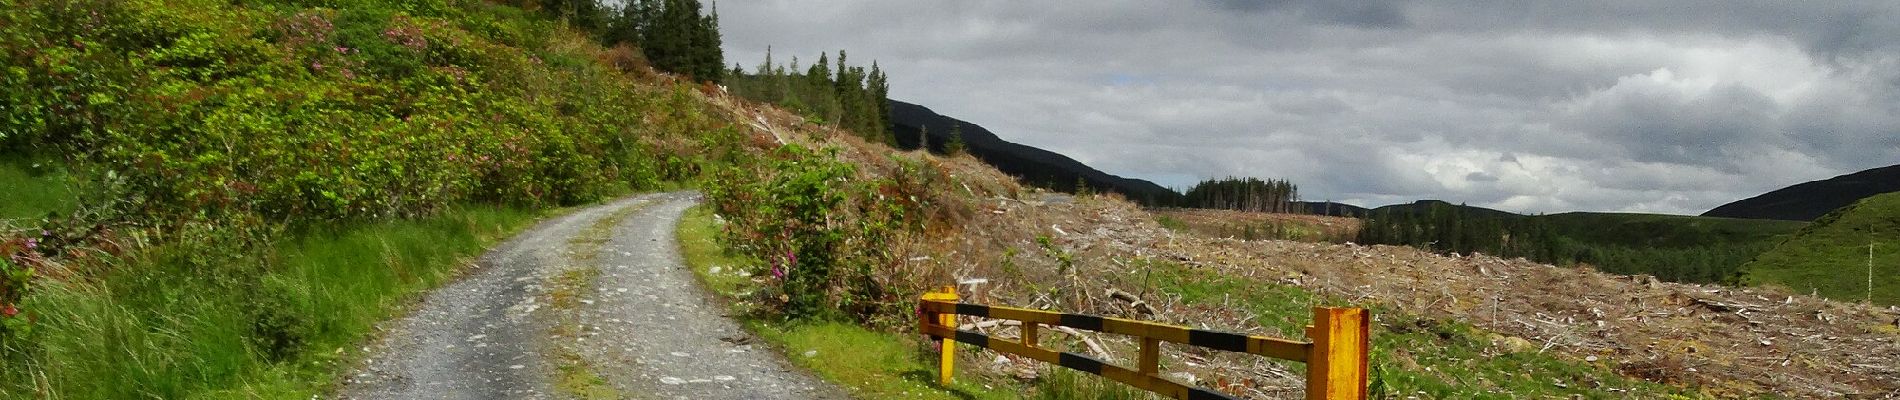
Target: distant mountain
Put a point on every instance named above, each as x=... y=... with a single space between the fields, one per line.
x=1427 y=206
x=1807 y=201
x=1328 y=208
x=1036 y=167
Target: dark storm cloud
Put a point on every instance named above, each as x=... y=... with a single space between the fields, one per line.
x=1529 y=106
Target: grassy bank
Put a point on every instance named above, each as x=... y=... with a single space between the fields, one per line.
x=1831 y=257
x=33 y=189
x=871 y=364
x=189 y=321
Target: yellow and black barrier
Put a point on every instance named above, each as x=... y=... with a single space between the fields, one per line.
x=1335 y=358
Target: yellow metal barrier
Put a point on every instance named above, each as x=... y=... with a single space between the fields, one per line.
x=1335 y=358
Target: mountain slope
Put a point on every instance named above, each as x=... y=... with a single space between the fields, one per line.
x=1831 y=256
x=1038 y=167
x=1807 y=201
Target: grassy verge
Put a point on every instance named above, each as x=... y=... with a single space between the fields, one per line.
x=871 y=364
x=1418 y=356
x=199 y=320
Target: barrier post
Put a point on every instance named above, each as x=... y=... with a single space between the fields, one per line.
x=1336 y=366
x=948 y=363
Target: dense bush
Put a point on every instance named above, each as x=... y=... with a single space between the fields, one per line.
x=213 y=128
x=303 y=114
x=824 y=233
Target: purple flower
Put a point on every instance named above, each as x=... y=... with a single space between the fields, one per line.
x=32 y=244
x=778 y=273
x=791 y=259
x=46 y=233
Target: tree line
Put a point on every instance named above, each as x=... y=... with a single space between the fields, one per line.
x=1244 y=194
x=672 y=35
x=675 y=36
x=846 y=96
x=1449 y=229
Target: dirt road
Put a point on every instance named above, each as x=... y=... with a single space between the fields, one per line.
x=641 y=323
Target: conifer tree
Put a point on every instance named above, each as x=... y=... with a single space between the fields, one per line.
x=954 y=146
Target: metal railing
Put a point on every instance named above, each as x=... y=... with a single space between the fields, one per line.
x=1335 y=355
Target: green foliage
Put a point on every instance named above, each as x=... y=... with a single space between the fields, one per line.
x=1171 y=223
x=1244 y=194
x=821 y=236
x=221 y=145
x=955 y=145
x=872 y=364
x=672 y=35
x=14 y=284
x=1672 y=248
x=787 y=221
x=849 y=97
x=35 y=189
x=195 y=318
x=1831 y=256
x=209 y=110
x=1065 y=261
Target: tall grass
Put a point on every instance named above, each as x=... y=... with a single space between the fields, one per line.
x=277 y=323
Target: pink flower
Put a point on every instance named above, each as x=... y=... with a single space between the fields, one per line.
x=32 y=244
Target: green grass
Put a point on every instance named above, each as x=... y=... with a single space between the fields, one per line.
x=1830 y=257
x=1412 y=355
x=1171 y=223
x=33 y=189
x=202 y=321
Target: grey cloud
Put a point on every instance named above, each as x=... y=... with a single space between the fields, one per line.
x=1539 y=106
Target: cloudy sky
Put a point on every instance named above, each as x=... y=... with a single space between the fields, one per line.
x=1647 y=106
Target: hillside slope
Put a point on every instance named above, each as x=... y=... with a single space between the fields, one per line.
x=1831 y=256
x=1035 y=166
x=1810 y=200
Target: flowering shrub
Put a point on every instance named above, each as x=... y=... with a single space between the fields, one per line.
x=823 y=234
x=14 y=281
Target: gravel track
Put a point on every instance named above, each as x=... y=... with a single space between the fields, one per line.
x=646 y=326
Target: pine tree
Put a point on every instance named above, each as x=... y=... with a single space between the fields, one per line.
x=954 y=146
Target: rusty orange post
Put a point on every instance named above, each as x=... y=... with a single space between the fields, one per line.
x=947 y=364
x=1336 y=367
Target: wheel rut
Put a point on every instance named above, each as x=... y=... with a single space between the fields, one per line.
x=559 y=311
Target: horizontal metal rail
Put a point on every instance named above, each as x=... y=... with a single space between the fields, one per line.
x=1336 y=358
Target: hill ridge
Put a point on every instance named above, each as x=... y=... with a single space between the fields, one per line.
x=1807 y=201
x=1035 y=166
